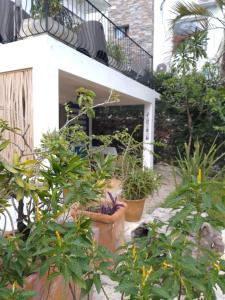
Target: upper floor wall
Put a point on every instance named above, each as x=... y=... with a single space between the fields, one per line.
x=82 y=24
x=136 y=16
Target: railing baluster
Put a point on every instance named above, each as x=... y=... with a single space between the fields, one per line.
x=83 y=26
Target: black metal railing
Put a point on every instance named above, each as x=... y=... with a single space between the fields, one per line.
x=81 y=25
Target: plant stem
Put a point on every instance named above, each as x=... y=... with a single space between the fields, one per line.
x=84 y=113
x=104 y=292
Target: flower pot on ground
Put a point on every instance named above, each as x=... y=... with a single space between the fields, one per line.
x=57 y=289
x=107 y=222
x=137 y=185
x=134 y=209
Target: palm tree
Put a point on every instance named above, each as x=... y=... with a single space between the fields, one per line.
x=206 y=19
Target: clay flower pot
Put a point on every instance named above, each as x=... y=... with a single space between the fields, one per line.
x=108 y=229
x=134 y=209
x=57 y=289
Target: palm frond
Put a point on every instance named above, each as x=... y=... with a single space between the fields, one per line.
x=220 y=3
x=189 y=9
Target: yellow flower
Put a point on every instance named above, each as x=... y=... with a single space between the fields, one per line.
x=58 y=237
x=216 y=267
x=134 y=253
x=165 y=265
x=145 y=274
x=199 y=176
x=38 y=213
x=14 y=286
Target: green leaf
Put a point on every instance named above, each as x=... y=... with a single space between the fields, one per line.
x=4 y=145
x=19 y=181
x=84 y=292
x=97 y=282
x=181 y=216
x=29 y=162
x=9 y=168
x=19 y=194
x=161 y=292
x=69 y=197
x=44 y=268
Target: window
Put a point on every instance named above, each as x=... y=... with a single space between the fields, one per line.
x=121 y=31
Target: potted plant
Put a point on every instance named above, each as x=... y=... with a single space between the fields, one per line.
x=138 y=184
x=107 y=221
x=117 y=57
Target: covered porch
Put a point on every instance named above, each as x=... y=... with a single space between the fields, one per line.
x=56 y=71
x=68 y=84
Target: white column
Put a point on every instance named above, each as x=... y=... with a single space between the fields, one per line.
x=45 y=100
x=148 y=134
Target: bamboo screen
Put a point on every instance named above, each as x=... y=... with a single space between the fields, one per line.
x=16 y=109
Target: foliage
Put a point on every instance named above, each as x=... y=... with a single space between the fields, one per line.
x=189 y=165
x=115 y=51
x=119 y=118
x=206 y=18
x=130 y=151
x=172 y=261
x=139 y=183
x=189 y=51
x=40 y=8
x=110 y=208
x=103 y=165
x=44 y=242
x=190 y=108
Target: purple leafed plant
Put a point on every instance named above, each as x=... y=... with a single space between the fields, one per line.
x=110 y=208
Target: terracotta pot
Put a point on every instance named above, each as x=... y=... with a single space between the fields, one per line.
x=57 y=289
x=134 y=209
x=108 y=230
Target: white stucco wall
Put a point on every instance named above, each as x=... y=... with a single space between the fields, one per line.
x=163 y=33
x=46 y=56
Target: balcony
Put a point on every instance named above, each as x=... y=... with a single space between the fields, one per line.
x=80 y=24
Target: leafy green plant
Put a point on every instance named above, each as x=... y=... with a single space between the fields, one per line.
x=189 y=51
x=204 y=16
x=107 y=207
x=42 y=242
x=116 y=52
x=173 y=260
x=189 y=165
x=191 y=108
x=140 y=183
x=41 y=8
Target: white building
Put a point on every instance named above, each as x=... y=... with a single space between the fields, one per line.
x=164 y=35
x=47 y=53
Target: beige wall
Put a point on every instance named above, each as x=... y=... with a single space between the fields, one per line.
x=16 y=109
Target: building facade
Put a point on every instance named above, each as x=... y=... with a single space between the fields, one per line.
x=135 y=18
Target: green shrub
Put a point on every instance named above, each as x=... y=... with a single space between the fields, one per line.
x=139 y=183
x=172 y=261
x=201 y=158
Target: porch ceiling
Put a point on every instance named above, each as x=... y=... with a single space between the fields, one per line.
x=68 y=83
